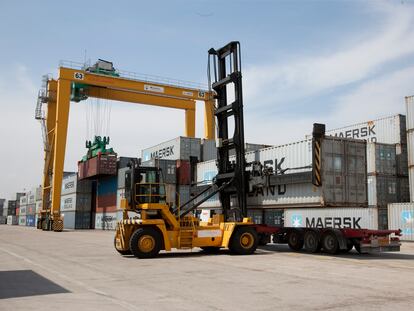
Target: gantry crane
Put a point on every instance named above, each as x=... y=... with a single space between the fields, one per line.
x=78 y=82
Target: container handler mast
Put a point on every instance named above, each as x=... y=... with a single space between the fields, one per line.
x=156 y=226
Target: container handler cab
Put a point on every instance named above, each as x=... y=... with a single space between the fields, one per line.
x=158 y=226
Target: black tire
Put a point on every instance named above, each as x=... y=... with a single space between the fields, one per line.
x=145 y=242
x=330 y=243
x=264 y=239
x=311 y=242
x=210 y=249
x=127 y=252
x=295 y=240
x=244 y=241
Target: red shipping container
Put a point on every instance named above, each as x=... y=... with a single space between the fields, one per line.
x=106 y=203
x=17 y=211
x=183 y=172
x=103 y=164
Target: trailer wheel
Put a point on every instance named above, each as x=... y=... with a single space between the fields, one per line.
x=122 y=252
x=311 y=242
x=145 y=242
x=295 y=240
x=330 y=243
x=244 y=241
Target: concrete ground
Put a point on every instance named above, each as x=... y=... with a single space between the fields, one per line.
x=80 y=270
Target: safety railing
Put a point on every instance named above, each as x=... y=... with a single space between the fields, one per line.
x=150 y=193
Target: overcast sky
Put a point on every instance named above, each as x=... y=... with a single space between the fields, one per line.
x=335 y=62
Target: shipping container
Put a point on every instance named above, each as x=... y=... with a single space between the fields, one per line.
x=12 y=220
x=106 y=221
x=401 y=216
x=381 y=159
x=401 y=155
x=184 y=194
x=389 y=130
x=183 y=172
x=22 y=220
x=337 y=217
x=273 y=217
x=30 y=220
x=23 y=201
x=71 y=184
x=11 y=207
x=106 y=203
x=168 y=169
x=180 y=148
x=343 y=175
x=23 y=210
x=382 y=217
x=38 y=193
x=31 y=209
x=31 y=197
x=121 y=177
x=409 y=100
x=384 y=189
x=76 y=202
x=256 y=215
x=209 y=149
x=3 y=220
x=39 y=206
x=103 y=164
x=123 y=162
x=77 y=219
x=106 y=185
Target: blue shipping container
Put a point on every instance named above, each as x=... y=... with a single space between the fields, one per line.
x=107 y=185
x=30 y=220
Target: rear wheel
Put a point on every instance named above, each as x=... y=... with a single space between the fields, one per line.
x=145 y=243
x=311 y=242
x=122 y=252
x=295 y=240
x=330 y=243
x=244 y=241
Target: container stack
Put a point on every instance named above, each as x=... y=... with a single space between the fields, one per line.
x=11 y=212
x=23 y=210
x=3 y=211
x=31 y=208
x=385 y=185
x=105 y=207
x=343 y=179
x=75 y=204
x=185 y=152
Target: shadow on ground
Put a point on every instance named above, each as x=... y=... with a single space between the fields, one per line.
x=23 y=283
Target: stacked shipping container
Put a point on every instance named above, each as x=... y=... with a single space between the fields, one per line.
x=105 y=207
x=75 y=203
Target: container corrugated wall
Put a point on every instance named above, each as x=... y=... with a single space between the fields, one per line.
x=357 y=218
x=409 y=101
x=180 y=148
x=381 y=159
x=401 y=216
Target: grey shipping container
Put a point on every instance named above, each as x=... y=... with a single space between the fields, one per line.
x=11 y=207
x=273 y=217
x=381 y=159
x=180 y=148
x=71 y=184
x=184 y=192
x=76 y=220
x=3 y=220
x=121 y=177
x=168 y=169
x=256 y=215
x=383 y=189
x=123 y=162
x=12 y=220
x=343 y=173
x=402 y=159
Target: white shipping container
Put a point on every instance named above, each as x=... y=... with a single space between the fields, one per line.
x=389 y=130
x=401 y=216
x=31 y=196
x=38 y=206
x=71 y=184
x=180 y=148
x=120 y=194
x=23 y=200
x=105 y=221
x=76 y=202
x=338 y=217
x=23 y=210
x=12 y=220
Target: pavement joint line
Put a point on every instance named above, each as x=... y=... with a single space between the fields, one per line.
x=126 y=305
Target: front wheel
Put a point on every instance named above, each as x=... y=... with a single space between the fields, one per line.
x=244 y=241
x=145 y=242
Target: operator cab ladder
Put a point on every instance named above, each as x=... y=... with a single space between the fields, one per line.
x=40 y=114
x=227 y=71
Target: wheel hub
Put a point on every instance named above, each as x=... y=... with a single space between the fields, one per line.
x=146 y=243
x=246 y=240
